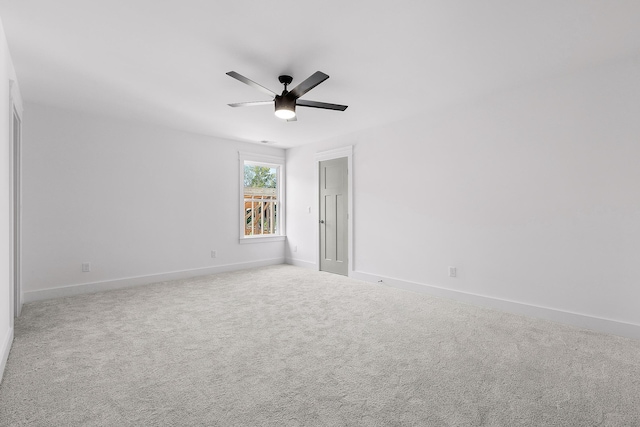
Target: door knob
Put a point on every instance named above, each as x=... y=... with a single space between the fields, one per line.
x=322 y=221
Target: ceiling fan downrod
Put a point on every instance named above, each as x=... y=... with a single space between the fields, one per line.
x=286 y=81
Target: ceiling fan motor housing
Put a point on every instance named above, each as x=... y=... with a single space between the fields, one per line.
x=284 y=102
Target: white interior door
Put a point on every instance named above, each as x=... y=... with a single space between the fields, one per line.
x=334 y=220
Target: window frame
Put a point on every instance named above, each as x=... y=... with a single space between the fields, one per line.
x=273 y=162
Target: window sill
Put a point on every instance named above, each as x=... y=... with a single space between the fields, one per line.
x=262 y=239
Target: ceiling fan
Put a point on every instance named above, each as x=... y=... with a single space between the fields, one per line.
x=286 y=102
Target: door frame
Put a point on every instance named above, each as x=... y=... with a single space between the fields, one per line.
x=15 y=200
x=330 y=155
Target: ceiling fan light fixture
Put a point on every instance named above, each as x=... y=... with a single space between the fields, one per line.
x=285 y=114
x=285 y=108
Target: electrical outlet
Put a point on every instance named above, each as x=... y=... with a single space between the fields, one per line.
x=453 y=271
x=214 y=254
x=86 y=267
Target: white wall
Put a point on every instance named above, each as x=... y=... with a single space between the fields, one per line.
x=532 y=195
x=7 y=73
x=136 y=201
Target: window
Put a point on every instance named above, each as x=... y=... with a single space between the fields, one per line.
x=261 y=198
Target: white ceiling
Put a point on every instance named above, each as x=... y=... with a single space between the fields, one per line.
x=164 y=62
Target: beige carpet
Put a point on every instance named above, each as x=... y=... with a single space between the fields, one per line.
x=283 y=346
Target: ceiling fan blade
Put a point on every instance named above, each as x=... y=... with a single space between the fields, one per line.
x=304 y=87
x=251 y=83
x=251 y=104
x=315 y=104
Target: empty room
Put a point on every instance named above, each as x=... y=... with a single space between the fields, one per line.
x=280 y=213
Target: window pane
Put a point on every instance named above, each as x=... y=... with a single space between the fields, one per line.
x=260 y=200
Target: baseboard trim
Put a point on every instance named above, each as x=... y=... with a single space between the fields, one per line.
x=4 y=351
x=598 y=324
x=127 y=282
x=301 y=263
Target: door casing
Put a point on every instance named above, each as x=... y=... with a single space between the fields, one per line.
x=329 y=155
x=16 y=199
